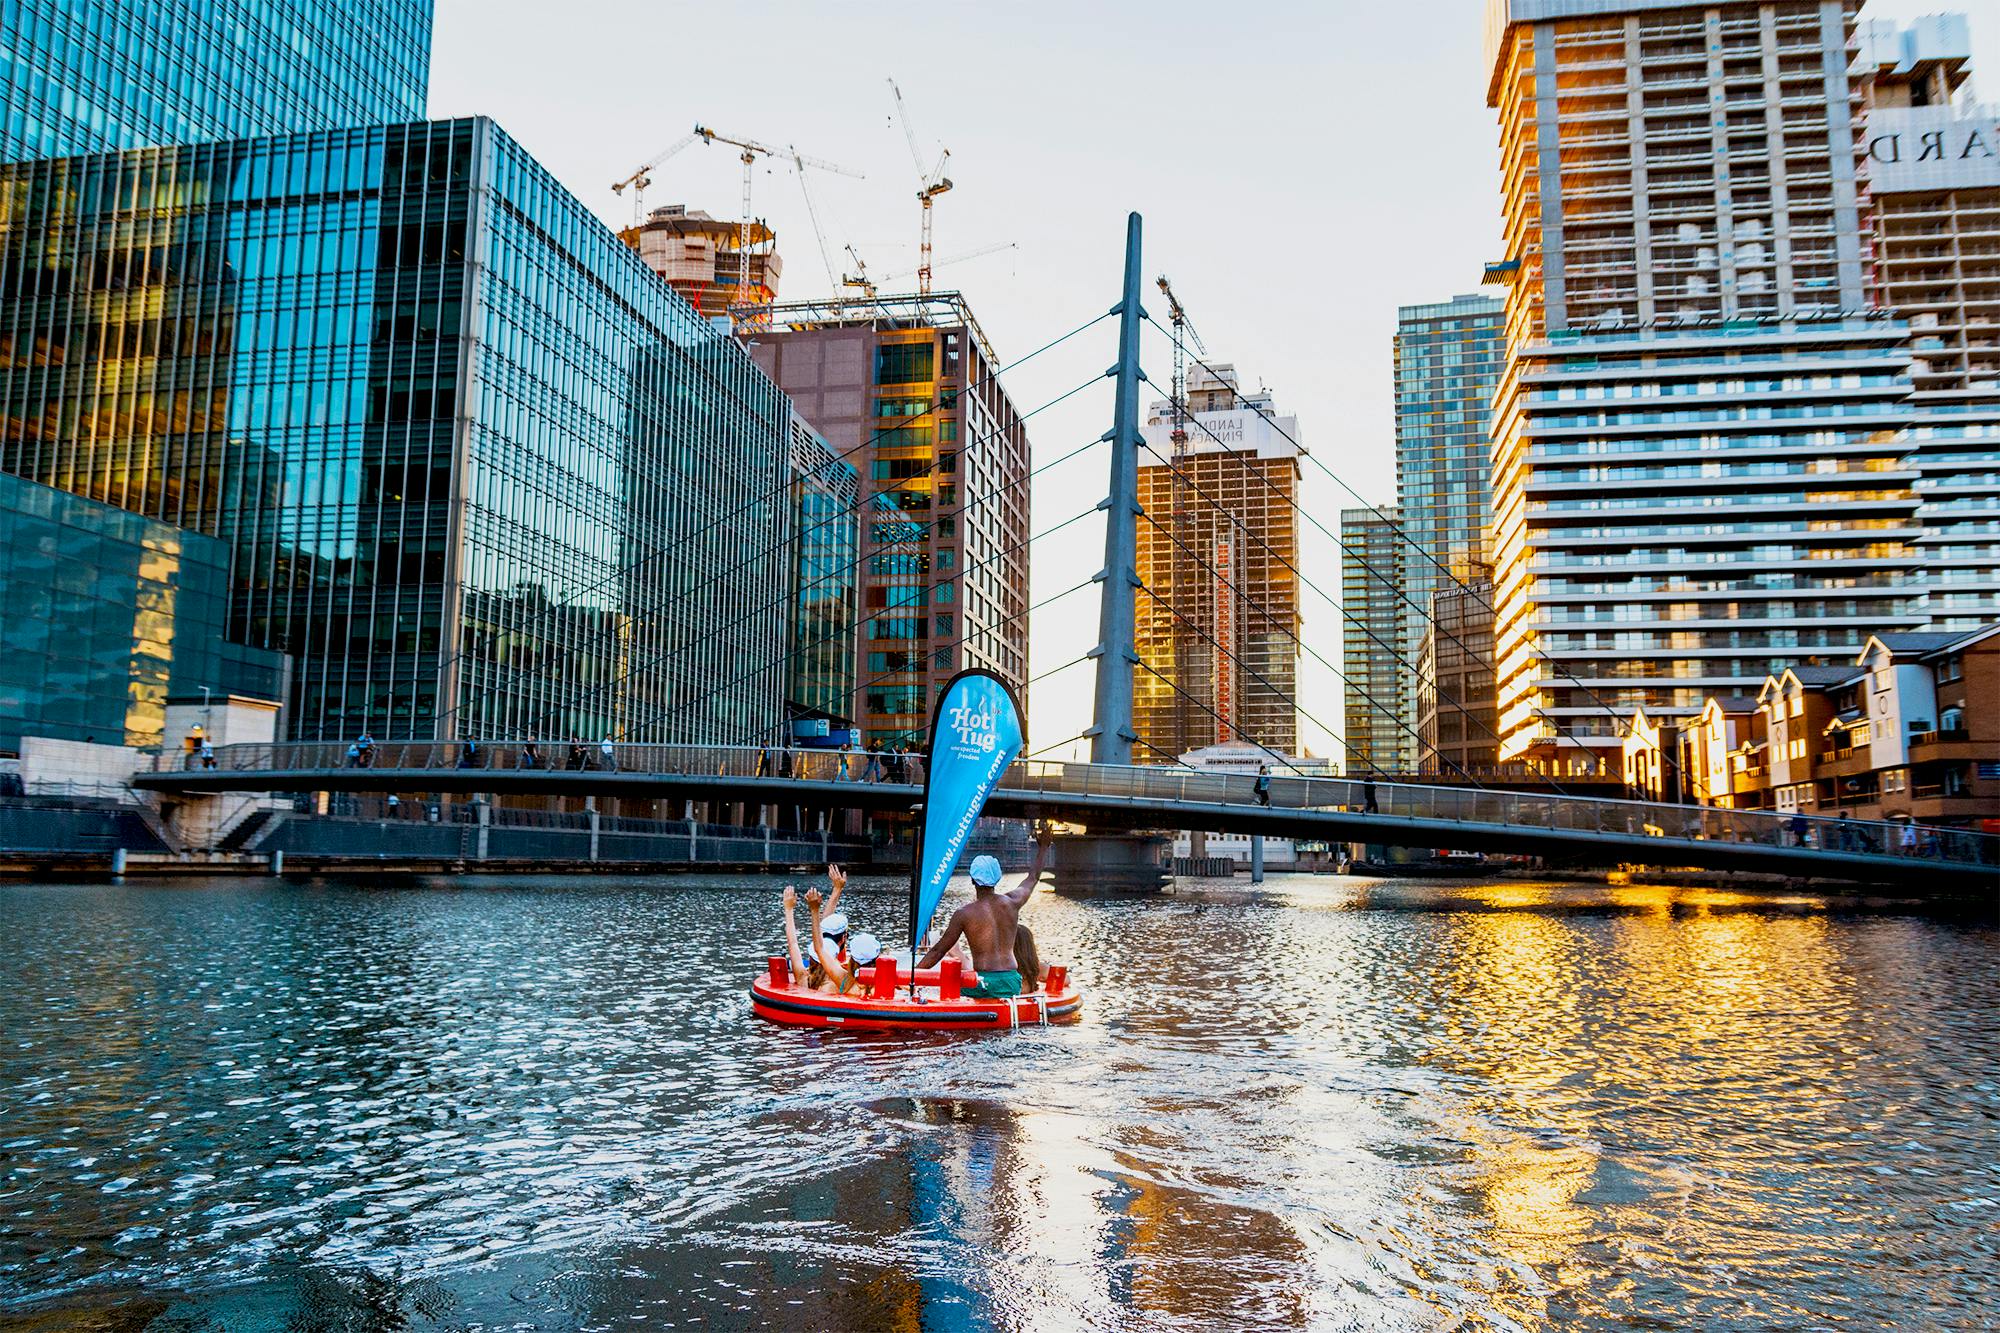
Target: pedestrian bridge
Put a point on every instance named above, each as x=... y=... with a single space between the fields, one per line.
x=1106 y=796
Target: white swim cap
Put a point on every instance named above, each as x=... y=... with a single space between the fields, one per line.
x=985 y=870
x=864 y=948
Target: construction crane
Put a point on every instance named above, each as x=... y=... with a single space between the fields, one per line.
x=1184 y=601
x=643 y=177
x=930 y=184
x=749 y=150
x=958 y=258
x=812 y=214
x=871 y=287
x=1183 y=334
x=859 y=278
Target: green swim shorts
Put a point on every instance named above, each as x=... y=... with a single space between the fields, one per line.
x=994 y=986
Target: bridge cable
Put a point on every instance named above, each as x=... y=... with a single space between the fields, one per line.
x=848 y=631
x=1262 y=680
x=556 y=607
x=1300 y=643
x=1402 y=595
x=863 y=502
x=1224 y=511
x=790 y=595
x=1300 y=575
x=1018 y=615
x=1270 y=419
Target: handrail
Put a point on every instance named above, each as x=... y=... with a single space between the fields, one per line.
x=1139 y=783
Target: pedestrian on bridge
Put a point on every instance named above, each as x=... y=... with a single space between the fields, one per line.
x=1263 y=787
x=873 y=772
x=207 y=752
x=607 y=756
x=1368 y=797
x=579 y=758
x=531 y=754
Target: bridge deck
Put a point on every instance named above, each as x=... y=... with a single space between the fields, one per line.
x=1330 y=809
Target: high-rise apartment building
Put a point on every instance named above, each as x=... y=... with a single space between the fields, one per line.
x=1380 y=687
x=1932 y=172
x=1218 y=555
x=1698 y=459
x=1447 y=362
x=83 y=76
x=480 y=472
x=904 y=388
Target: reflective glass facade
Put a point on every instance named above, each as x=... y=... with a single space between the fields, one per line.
x=481 y=472
x=107 y=614
x=82 y=76
x=1447 y=361
x=1380 y=690
x=825 y=570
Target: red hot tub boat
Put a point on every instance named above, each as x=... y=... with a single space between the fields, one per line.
x=937 y=1007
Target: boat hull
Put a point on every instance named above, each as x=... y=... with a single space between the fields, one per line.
x=795 y=1006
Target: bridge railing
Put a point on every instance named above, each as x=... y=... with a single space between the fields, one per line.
x=1466 y=805
x=1459 y=805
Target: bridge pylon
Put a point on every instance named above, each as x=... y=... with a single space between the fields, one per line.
x=1111 y=731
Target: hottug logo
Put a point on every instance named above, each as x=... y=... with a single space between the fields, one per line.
x=974 y=725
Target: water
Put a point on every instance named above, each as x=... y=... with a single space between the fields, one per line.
x=238 y=1105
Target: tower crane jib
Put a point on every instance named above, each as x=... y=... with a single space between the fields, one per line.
x=748 y=151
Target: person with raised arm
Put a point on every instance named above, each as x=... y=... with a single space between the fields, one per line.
x=987 y=925
x=833 y=963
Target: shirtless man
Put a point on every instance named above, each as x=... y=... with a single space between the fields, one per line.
x=987 y=924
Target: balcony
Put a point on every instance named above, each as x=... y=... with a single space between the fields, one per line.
x=1846 y=760
x=1956 y=744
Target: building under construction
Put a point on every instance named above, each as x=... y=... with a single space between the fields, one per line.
x=903 y=387
x=701 y=257
x=1221 y=622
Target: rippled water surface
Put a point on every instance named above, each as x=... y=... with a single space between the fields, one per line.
x=1336 y=1103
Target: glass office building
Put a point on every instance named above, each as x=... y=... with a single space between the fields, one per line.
x=107 y=614
x=83 y=76
x=480 y=471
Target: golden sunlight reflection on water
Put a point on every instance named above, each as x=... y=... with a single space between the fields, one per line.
x=1322 y=1102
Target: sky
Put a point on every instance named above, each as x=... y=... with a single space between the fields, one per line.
x=1302 y=169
